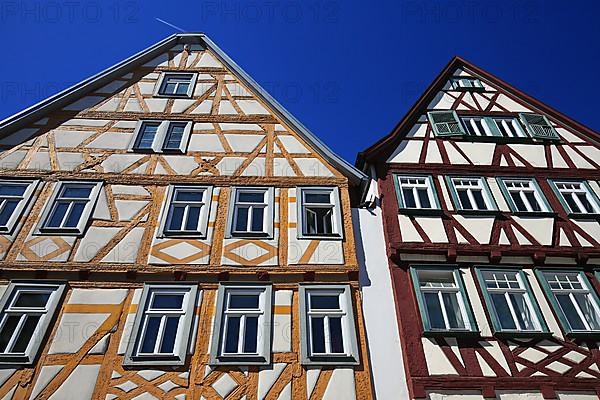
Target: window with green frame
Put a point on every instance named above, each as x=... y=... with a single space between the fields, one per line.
x=445 y=123
x=416 y=192
x=510 y=301
x=574 y=300
x=524 y=195
x=442 y=300
x=471 y=193
x=577 y=197
x=539 y=127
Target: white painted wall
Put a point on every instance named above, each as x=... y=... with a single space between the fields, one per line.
x=383 y=338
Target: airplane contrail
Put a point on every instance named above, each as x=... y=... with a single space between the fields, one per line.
x=171 y=25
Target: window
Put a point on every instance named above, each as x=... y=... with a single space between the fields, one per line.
x=573 y=299
x=416 y=192
x=251 y=212
x=162 y=136
x=175 y=84
x=327 y=328
x=14 y=196
x=445 y=123
x=576 y=197
x=319 y=212
x=462 y=83
x=471 y=194
x=442 y=300
x=186 y=211
x=242 y=333
x=523 y=195
x=70 y=207
x=27 y=309
x=539 y=127
x=163 y=322
x=507 y=127
x=509 y=301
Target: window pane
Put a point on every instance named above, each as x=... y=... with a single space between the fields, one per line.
x=151 y=334
x=243 y=301
x=324 y=198
x=232 y=334
x=58 y=214
x=320 y=220
x=176 y=218
x=518 y=201
x=311 y=222
x=324 y=302
x=13 y=190
x=570 y=312
x=76 y=191
x=424 y=198
x=193 y=219
x=26 y=334
x=8 y=331
x=434 y=311
x=503 y=311
x=75 y=215
x=588 y=310
x=571 y=202
x=174 y=136
x=465 y=202
x=241 y=224
x=479 y=200
x=251 y=197
x=183 y=88
x=335 y=335
x=170 y=88
x=453 y=311
x=524 y=313
x=251 y=335
x=409 y=198
x=318 y=334
x=7 y=211
x=169 y=336
x=187 y=195
x=32 y=300
x=167 y=301
x=257 y=219
x=586 y=204
x=535 y=206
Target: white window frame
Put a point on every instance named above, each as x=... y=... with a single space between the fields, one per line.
x=56 y=290
x=23 y=203
x=481 y=185
x=584 y=188
x=161 y=136
x=334 y=204
x=162 y=82
x=265 y=316
x=532 y=187
x=133 y=356
x=268 y=214
x=586 y=289
x=85 y=215
x=428 y=184
x=473 y=83
x=490 y=127
x=166 y=214
x=523 y=288
x=470 y=325
x=350 y=355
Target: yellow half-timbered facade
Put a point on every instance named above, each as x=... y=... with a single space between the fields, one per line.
x=168 y=231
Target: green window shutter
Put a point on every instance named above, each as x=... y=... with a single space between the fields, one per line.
x=445 y=123
x=539 y=127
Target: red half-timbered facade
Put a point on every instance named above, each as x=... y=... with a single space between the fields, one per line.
x=490 y=210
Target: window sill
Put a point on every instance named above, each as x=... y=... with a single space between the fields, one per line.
x=240 y=360
x=438 y=334
x=173 y=96
x=548 y=214
x=184 y=235
x=264 y=236
x=57 y=232
x=330 y=360
x=583 y=216
x=320 y=237
x=6 y=359
x=486 y=213
x=150 y=361
x=421 y=211
x=522 y=334
x=496 y=139
x=592 y=335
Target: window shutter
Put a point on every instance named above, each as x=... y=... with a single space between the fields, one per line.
x=539 y=127
x=445 y=123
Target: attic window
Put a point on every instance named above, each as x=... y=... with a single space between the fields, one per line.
x=174 y=84
x=162 y=136
x=539 y=127
x=466 y=83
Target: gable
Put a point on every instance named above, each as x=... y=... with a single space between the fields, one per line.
x=415 y=140
x=235 y=129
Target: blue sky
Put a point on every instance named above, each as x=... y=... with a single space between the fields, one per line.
x=349 y=70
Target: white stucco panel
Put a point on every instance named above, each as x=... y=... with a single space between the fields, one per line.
x=408 y=151
x=540 y=228
x=479 y=227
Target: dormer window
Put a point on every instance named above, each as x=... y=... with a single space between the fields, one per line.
x=176 y=84
x=507 y=127
x=466 y=83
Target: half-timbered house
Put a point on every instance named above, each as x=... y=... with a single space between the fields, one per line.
x=490 y=210
x=169 y=231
